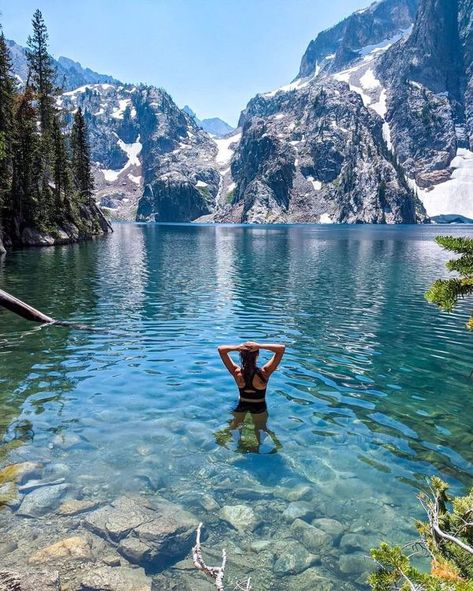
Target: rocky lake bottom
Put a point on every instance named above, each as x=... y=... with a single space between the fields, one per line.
x=115 y=442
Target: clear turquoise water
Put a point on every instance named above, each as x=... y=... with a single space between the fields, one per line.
x=372 y=397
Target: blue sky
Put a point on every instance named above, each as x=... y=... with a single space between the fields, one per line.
x=211 y=54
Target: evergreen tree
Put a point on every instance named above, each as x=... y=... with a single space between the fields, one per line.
x=7 y=97
x=62 y=185
x=81 y=167
x=42 y=71
x=446 y=537
x=25 y=190
x=446 y=292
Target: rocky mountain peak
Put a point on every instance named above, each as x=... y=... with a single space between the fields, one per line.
x=380 y=24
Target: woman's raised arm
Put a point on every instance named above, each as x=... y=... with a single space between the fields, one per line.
x=275 y=360
x=224 y=351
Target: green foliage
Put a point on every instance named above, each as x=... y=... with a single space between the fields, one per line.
x=42 y=71
x=449 y=518
x=7 y=89
x=446 y=292
x=81 y=167
x=45 y=180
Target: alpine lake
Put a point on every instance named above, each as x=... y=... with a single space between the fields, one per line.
x=372 y=398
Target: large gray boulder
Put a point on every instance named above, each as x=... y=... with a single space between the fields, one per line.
x=153 y=533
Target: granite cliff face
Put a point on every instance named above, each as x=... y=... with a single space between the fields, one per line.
x=316 y=154
x=152 y=161
x=318 y=149
x=428 y=79
x=431 y=72
x=376 y=128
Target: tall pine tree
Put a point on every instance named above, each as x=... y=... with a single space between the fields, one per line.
x=81 y=168
x=42 y=71
x=25 y=189
x=7 y=97
x=62 y=184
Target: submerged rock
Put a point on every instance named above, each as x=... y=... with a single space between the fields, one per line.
x=299 y=510
x=107 y=578
x=293 y=559
x=240 y=517
x=351 y=542
x=302 y=492
x=35 y=484
x=315 y=540
x=310 y=580
x=75 y=507
x=75 y=548
x=153 y=534
x=330 y=526
x=8 y=494
x=20 y=473
x=42 y=500
x=22 y=581
x=355 y=564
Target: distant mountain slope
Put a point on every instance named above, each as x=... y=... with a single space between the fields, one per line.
x=337 y=47
x=69 y=74
x=152 y=162
x=215 y=126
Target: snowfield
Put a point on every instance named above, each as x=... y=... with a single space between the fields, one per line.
x=225 y=152
x=454 y=196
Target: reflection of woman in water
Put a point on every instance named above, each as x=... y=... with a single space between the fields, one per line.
x=252 y=383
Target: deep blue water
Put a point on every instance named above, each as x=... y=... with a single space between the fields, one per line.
x=372 y=397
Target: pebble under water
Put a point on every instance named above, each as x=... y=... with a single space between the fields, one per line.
x=371 y=399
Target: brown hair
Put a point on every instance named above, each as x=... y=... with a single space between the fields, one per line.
x=248 y=365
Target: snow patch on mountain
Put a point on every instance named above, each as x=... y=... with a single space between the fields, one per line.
x=226 y=148
x=132 y=151
x=454 y=196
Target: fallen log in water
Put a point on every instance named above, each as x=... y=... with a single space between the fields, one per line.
x=24 y=310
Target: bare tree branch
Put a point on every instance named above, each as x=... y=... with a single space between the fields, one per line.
x=215 y=572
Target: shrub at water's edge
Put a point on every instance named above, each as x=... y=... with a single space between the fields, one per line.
x=446 y=292
x=46 y=188
x=446 y=538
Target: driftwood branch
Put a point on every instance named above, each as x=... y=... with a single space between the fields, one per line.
x=215 y=572
x=24 y=310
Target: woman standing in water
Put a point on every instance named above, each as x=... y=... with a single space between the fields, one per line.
x=252 y=382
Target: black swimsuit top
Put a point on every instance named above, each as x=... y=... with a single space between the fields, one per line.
x=252 y=393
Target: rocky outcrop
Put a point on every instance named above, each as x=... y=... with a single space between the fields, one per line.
x=313 y=154
x=428 y=77
x=88 y=222
x=337 y=47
